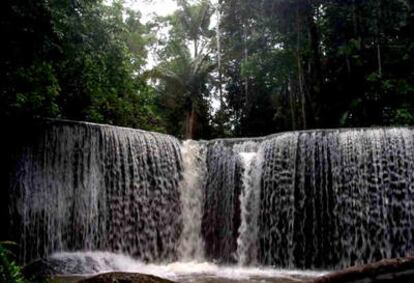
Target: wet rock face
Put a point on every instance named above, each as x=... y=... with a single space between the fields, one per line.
x=400 y=270
x=120 y=277
x=41 y=269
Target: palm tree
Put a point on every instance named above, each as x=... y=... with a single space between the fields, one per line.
x=189 y=73
x=195 y=20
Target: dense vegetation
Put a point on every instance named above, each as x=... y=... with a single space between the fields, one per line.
x=268 y=65
x=9 y=271
x=315 y=64
x=75 y=59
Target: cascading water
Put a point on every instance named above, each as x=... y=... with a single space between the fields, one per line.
x=89 y=187
x=191 y=190
x=221 y=217
x=313 y=199
x=337 y=198
x=247 y=242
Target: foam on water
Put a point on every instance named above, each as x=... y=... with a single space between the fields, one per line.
x=101 y=262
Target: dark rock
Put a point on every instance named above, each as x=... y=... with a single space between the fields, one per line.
x=40 y=270
x=399 y=270
x=122 y=277
x=49 y=267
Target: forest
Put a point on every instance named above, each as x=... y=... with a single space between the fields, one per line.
x=227 y=69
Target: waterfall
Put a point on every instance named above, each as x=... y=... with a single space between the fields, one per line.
x=232 y=201
x=191 y=190
x=337 y=198
x=87 y=187
x=247 y=242
x=307 y=199
x=221 y=217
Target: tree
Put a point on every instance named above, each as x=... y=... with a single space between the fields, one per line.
x=317 y=64
x=183 y=72
x=283 y=65
x=79 y=60
x=185 y=78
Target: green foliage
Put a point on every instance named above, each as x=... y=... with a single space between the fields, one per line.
x=9 y=271
x=38 y=90
x=314 y=64
x=78 y=60
x=403 y=117
x=272 y=66
x=195 y=19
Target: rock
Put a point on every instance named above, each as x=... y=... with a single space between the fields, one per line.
x=122 y=277
x=399 y=270
x=40 y=269
x=66 y=265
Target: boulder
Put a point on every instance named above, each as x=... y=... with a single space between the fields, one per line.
x=44 y=268
x=398 y=270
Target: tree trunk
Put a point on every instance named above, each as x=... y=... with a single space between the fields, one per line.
x=291 y=104
x=300 y=70
x=218 y=37
x=190 y=123
x=195 y=48
x=378 y=39
x=245 y=54
x=354 y=18
x=316 y=76
x=379 y=60
x=302 y=91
